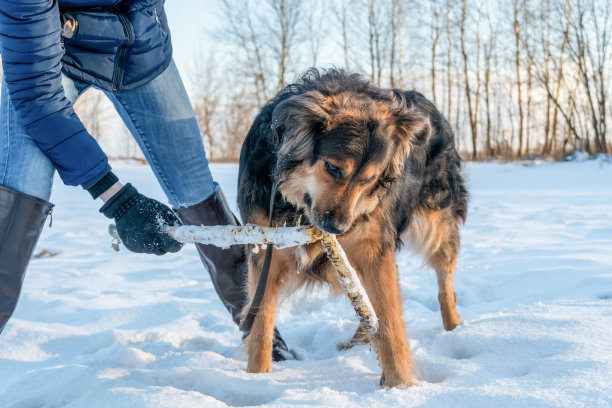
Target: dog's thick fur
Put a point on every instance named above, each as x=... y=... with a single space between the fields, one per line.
x=374 y=166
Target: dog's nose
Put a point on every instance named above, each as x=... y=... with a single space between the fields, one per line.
x=331 y=227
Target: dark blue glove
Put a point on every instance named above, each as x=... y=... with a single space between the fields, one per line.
x=141 y=222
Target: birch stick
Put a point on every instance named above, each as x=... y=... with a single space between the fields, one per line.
x=226 y=235
x=352 y=286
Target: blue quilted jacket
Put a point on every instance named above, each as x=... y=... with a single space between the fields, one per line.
x=116 y=45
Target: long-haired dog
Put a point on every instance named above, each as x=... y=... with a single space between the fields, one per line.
x=376 y=167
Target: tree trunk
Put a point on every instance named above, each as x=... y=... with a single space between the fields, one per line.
x=517 y=62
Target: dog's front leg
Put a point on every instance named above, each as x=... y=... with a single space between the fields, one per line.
x=381 y=283
x=259 y=341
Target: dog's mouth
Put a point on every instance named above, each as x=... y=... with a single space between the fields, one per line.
x=325 y=222
x=331 y=228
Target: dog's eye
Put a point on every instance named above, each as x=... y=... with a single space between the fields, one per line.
x=334 y=171
x=387 y=181
x=366 y=181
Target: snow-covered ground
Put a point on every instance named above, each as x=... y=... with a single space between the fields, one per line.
x=96 y=328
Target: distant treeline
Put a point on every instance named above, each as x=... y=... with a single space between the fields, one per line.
x=514 y=78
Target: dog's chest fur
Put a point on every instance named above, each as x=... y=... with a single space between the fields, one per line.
x=362 y=244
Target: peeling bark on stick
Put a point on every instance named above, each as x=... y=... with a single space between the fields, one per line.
x=226 y=235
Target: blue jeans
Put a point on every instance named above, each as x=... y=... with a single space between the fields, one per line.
x=161 y=120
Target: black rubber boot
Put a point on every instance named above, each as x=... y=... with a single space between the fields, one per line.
x=227 y=267
x=21 y=220
x=280 y=351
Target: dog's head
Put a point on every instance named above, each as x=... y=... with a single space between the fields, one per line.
x=340 y=151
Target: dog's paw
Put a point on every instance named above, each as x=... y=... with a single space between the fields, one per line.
x=396 y=381
x=258 y=368
x=448 y=309
x=451 y=324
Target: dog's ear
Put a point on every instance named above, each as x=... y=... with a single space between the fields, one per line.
x=299 y=118
x=410 y=130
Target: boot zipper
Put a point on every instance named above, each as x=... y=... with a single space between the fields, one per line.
x=50 y=214
x=122 y=51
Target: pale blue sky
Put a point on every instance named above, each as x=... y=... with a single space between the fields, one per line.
x=188 y=20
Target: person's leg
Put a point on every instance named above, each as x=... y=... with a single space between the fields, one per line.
x=23 y=166
x=26 y=177
x=161 y=119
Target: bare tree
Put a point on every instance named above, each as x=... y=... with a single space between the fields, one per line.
x=591 y=27
x=527 y=45
x=449 y=59
x=549 y=71
x=435 y=32
x=396 y=21
x=545 y=41
x=340 y=13
x=458 y=111
x=240 y=31
x=489 y=50
x=284 y=31
x=472 y=95
x=401 y=17
x=314 y=30
x=374 y=42
x=560 y=74
x=517 y=7
x=205 y=84
x=237 y=116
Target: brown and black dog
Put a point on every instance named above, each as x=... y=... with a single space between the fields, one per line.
x=376 y=167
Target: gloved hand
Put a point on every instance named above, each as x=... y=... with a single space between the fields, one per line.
x=141 y=221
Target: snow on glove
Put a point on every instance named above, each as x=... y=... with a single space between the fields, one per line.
x=141 y=222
